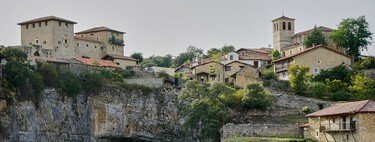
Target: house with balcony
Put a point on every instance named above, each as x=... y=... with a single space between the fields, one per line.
x=344 y=122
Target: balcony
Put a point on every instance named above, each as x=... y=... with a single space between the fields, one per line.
x=282 y=67
x=344 y=127
x=116 y=41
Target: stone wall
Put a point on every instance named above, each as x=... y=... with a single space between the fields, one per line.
x=298 y=102
x=258 y=130
x=112 y=114
x=151 y=82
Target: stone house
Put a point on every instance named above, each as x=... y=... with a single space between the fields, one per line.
x=348 y=122
x=290 y=45
x=54 y=37
x=316 y=58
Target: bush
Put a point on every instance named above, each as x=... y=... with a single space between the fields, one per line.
x=362 y=87
x=319 y=90
x=143 y=88
x=299 y=78
x=340 y=72
x=37 y=85
x=336 y=85
x=341 y=95
x=256 y=97
x=282 y=85
x=266 y=83
x=306 y=109
x=69 y=83
x=49 y=74
x=368 y=63
x=92 y=81
x=269 y=74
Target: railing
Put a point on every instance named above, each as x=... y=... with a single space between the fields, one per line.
x=343 y=127
x=116 y=41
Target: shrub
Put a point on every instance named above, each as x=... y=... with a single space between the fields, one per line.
x=92 y=81
x=368 y=63
x=299 y=78
x=69 y=83
x=336 y=85
x=282 y=85
x=143 y=88
x=341 y=95
x=319 y=90
x=306 y=109
x=256 y=97
x=266 y=83
x=269 y=74
x=340 y=72
x=49 y=74
x=37 y=85
x=362 y=87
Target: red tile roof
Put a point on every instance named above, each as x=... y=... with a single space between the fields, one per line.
x=310 y=49
x=96 y=62
x=99 y=29
x=261 y=50
x=366 y=106
x=47 y=18
x=86 y=39
x=121 y=57
x=321 y=28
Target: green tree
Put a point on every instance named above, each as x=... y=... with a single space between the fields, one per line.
x=299 y=78
x=213 y=51
x=275 y=55
x=16 y=70
x=319 y=90
x=69 y=83
x=362 y=87
x=315 y=37
x=226 y=49
x=92 y=81
x=340 y=72
x=367 y=63
x=49 y=74
x=256 y=97
x=191 y=53
x=352 y=34
x=159 y=61
x=138 y=56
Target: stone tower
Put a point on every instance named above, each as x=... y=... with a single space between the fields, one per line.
x=51 y=33
x=283 y=30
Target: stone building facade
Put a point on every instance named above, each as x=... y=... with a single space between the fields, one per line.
x=56 y=36
x=292 y=51
x=348 y=122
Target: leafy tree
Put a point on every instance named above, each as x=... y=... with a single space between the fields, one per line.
x=315 y=37
x=138 y=56
x=37 y=85
x=189 y=55
x=340 y=72
x=352 y=34
x=269 y=74
x=16 y=70
x=256 y=97
x=213 y=51
x=341 y=95
x=222 y=51
x=69 y=83
x=159 y=61
x=299 y=78
x=49 y=74
x=275 y=55
x=226 y=49
x=92 y=81
x=319 y=90
x=367 y=63
x=362 y=87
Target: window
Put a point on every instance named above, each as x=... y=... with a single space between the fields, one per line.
x=59 y=23
x=316 y=70
x=97 y=37
x=113 y=48
x=289 y=26
x=228 y=68
x=284 y=26
x=39 y=24
x=46 y=24
x=256 y=64
x=44 y=42
x=102 y=48
x=226 y=80
x=66 y=25
x=334 y=120
x=290 y=52
x=34 y=25
x=318 y=61
x=95 y=46
x=36 y=41
x=212 y=77
x=66 y=41
x=77 y=44
x=241 y=67
x=230 y=57
x=87 y=45
x=277 y=26
x=91 y=34
x=27 y=26
x=274 y=27
x=344 y=122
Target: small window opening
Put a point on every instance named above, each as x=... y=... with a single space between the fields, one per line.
x=77 y=44
x=87 y=45
x=36 y=41
x=27 y=26
x=34 y=25
x=66 y=25
x=289 y=26
x=66 y=41
x=284 y=26
x=46 y=24
x=39 y=24
x=44 y=42
x=36 y=53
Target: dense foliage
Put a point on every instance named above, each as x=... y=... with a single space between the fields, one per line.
x=340 y=72
x=353 y=34
x=221 y=51
x=299 y=78
x=275 y=55
x=206 y=106
x=367 y=63
x=315 y=37
x=159 y=61
x=138 y=56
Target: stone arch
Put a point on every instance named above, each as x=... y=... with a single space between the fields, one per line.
x=284 y=26
x=289 y=26
x=283 y=54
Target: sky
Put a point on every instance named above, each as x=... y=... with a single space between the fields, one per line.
x=160 y=27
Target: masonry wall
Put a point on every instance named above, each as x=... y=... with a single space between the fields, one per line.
x=246 y=76
x=103 y=36
x=366 y=127
x=89 y=49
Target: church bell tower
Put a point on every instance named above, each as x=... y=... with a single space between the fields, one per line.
x=283 y=30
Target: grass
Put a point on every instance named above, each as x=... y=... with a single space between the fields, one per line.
x=262 y=139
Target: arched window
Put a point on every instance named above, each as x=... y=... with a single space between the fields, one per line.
x=284 y=26
x=36 y=53
x=282 y=54
x=289 y=26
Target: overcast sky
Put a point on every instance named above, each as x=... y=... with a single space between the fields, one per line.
x=159 y=27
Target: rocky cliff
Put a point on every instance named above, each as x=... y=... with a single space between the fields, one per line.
x=113 y=114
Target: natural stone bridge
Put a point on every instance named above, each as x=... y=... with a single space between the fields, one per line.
x=111 y=115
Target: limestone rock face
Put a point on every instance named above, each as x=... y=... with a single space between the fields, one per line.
x=112 y=114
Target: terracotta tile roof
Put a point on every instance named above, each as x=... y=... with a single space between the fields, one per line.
x=86 y=39
x=99 y=29
x=121 y=57
x=310 y=49
x=321 y=28
x=261 y=50
x=366 y=106
x=96 y=62
x=283 y=17
x=47 y=18
x=255 y=53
